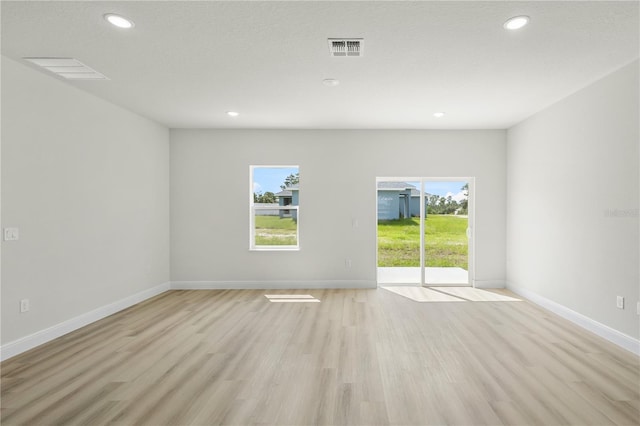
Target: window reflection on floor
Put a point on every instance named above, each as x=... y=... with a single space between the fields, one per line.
x=449 y=294
x=291 y=298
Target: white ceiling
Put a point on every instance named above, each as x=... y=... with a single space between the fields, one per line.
x=188 y=62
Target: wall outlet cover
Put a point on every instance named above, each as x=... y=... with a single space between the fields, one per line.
x=11 y=234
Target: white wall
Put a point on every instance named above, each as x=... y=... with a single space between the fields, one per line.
x=210 y=194
x=87 y=183
x=568 y=167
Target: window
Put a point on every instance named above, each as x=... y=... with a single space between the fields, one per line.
x=275 y=210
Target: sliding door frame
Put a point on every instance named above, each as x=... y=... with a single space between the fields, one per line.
x=471 y=207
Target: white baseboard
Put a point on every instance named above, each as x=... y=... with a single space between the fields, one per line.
x=270 y=285
x=23 y=344
x=614 y=336
x=489 y=284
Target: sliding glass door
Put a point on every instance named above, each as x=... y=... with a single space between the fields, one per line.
x=424 y=231
x=400 y=231
x=447 y=232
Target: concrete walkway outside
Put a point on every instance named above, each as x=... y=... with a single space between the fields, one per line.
x=433 y=276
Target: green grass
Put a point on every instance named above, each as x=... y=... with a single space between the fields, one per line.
x=273 y=231
x=445 y=242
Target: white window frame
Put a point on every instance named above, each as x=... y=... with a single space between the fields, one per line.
x=253 y=208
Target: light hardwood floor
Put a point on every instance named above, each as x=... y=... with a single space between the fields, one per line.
x=359 y=357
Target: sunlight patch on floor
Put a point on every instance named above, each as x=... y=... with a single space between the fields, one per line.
x=448 y=294
x=291 y=298
x=475 y=294
x=422 y=294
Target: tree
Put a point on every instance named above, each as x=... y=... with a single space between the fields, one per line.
x=437 y=204
x=290 y=181
x=432 y=203
x=268 y=197
x=464 y=204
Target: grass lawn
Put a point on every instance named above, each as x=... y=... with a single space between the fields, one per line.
x=273 y=231
x=445 y=241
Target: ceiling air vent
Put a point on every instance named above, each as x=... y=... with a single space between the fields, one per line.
x=69 y=68
x=346 y=46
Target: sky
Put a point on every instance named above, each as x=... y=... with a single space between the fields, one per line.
x=443 y=189
x=269 y=179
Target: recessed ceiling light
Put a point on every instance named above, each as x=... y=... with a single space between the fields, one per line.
x=119 y=21
x=438 y=114
x=516 y=22
x=233 y=113
x=330 y=82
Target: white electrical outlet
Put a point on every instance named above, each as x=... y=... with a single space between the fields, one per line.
x=24 y=305
x=347 y=263
x=620 y=302
x=638 y=308
x=11 y=234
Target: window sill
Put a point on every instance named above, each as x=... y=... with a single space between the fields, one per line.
x=274 y=248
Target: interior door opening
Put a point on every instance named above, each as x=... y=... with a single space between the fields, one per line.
x=424 y=231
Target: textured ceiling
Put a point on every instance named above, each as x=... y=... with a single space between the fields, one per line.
x=186 y=63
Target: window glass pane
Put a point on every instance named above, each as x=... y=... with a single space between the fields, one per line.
x=276 y=228
x=274 y=207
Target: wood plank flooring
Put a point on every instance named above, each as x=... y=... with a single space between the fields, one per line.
x=359 y=357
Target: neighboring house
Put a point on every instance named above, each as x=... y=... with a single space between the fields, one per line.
x=398 y=200
x=289 y=197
